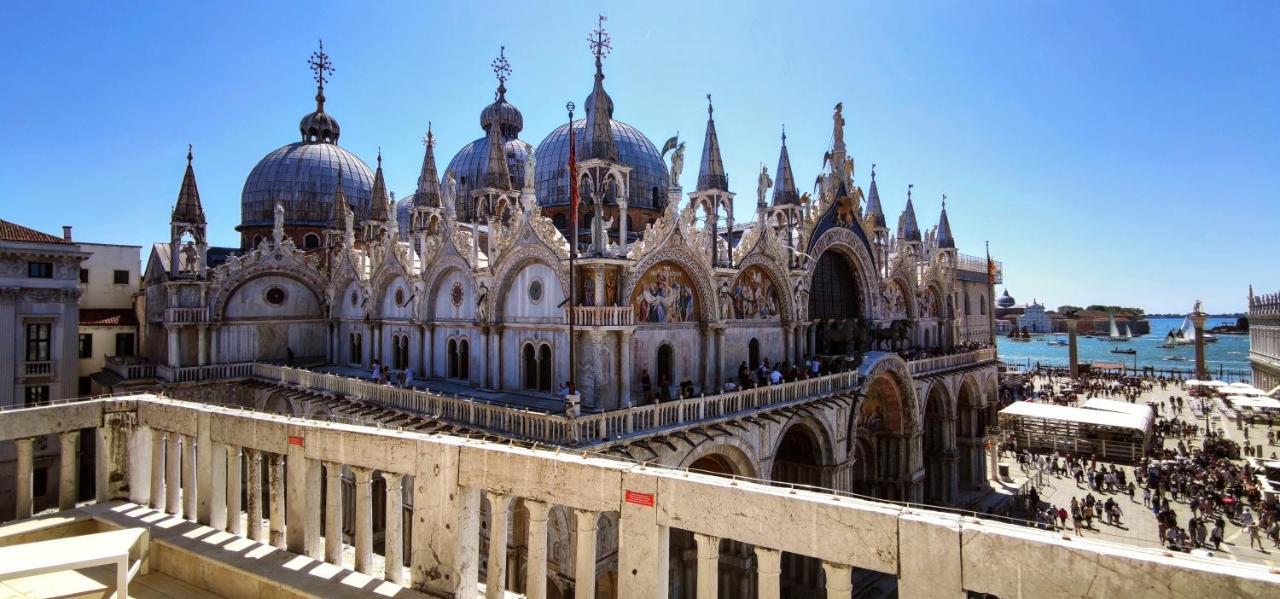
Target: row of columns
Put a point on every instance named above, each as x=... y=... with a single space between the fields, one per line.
x=839 y=577
x=535 y=586
x=68 y=473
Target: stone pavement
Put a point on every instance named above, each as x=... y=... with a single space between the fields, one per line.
x=1138 y=523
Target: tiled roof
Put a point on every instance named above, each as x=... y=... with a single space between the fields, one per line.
x=108 y=317
x=15 y=232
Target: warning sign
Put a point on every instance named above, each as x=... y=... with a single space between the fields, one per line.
x=638 y=498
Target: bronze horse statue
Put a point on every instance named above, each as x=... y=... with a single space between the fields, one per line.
x=846 y=336
x=898 y=330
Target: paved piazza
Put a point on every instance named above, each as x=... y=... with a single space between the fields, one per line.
x=1138 y=523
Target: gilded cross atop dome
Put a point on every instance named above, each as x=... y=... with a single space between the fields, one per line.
x=502 y=70
x=600 y=41
x=321 y=65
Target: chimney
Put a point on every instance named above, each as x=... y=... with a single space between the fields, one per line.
x=66 y=232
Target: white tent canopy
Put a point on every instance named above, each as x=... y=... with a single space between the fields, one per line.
x=1254 y=403
x=1096 y=417
x=1123 y=407
x=1198 y=383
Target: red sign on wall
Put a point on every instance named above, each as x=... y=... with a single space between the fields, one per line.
x=295 y=440
x=638 y=498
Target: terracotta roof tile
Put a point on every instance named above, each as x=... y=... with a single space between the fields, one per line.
x=15 y=232
x=108 y=317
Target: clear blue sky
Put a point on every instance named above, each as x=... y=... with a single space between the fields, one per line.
x=1112 y=152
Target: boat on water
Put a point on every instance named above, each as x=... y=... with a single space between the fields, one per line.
x=1058 y=340
x=1115 y=332
x=1020 y=336
x=1118 y=350
x=1176 y=358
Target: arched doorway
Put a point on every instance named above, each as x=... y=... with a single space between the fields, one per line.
x=798 y=460
x=464 y=360
x=545 y=375
x=881 y=426
x=939 y=456
x=834 y=298
x=970 y=433
x=665 y=362
x=452 y=354
x=753 y=353
x=529 y=370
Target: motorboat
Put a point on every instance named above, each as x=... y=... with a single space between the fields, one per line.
x=1130 y=351
x=1176 y=358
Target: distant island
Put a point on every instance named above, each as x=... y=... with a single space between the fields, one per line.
x=1232 y=315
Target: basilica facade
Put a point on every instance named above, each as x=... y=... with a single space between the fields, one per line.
x=468 y=278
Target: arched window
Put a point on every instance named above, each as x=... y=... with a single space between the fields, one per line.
x=544 y=368
x=399 y=352
x=927 y=338
x=529 y=370
x=753 y=353
x=453 y=358
x=982 y=304
x=967 y=309
x=665 y=363
x=310 y=241
x=560 y=221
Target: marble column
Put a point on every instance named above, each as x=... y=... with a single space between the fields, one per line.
x=597 y=273
x=1072 y=353
x=174 y=360
x=276 y=491
x=496 y=574
x=393 y=534
x=364 y=519
x=333 y=513
x=218 y=486
x=254 y=457
x=624 y=368
x=719 y=367
x=202 y=345
x=768 y=573
x=1197 y=319
x=708 y=565
x=622 y=226
x=313 y=484
x=235 y=483
x=584 y=562
x=786 y=346
x=189 y=491
x=24 y=485
x=839 y=580
x=173 y=474
x=535 y=586
x=68 y=468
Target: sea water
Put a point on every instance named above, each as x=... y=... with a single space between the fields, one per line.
x=1230 y=353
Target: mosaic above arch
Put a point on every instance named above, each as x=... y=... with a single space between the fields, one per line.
x=665 y=294
x=753 y=296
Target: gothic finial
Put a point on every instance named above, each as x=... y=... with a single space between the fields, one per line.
x=873 y=171
x=502 y=70
x=710 y=108
x=909 y=186
x=428 y=140
x=189 y=155
x=784 y=134
x=321 y=65
x=944 y=201
x=600 y=41
x=379 y=155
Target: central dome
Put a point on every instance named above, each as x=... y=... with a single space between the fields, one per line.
x=649 y=177
x=303 y=178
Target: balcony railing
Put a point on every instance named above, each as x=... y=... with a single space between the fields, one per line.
x=130 y=368
x=435 y=527
x=186 y=315
x=37 y=368
x=925 y=366
x=604 y=316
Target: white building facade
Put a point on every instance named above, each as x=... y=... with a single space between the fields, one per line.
x=1264 y=340
x=109 y=282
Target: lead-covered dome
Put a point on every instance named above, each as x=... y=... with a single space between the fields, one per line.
x=470 y=164
x=649 y=176
x=303 y=178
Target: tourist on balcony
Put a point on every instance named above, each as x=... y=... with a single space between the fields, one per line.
x=377 y=371
x=664 y=389
x=406 y=377
x=646 y=385
x=563 y=392
x=744 y=376
x=686 y=389
x=775 y=377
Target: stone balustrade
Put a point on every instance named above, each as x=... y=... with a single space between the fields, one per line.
x=189 y=460
x=186 y=315
x=926 y=366
x=554 y=428
x=37 y=368
x=130 y=368
x=604 y=316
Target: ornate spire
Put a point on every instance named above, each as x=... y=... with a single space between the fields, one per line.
x=428 y=194
x=319 y=126
x=785 y=191
x=378 y=211
x=908 y=230
x=598 y=136
x=497 y=175
x=711 y=173
x=338 y=218
x=945 y=240
x=188 y=208
x=875 y=212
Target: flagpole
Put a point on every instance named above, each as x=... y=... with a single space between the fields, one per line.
x=991 y=295
x=573 y=243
